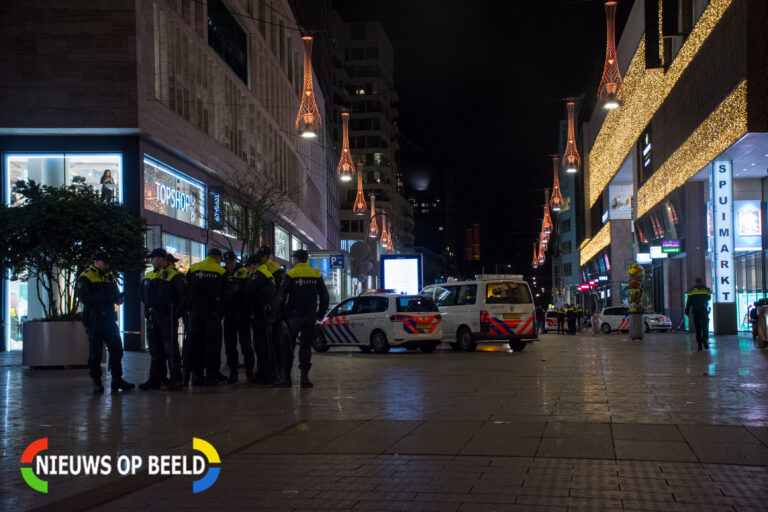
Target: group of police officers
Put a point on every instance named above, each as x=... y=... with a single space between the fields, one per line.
x=573 y=315
x=264 y=309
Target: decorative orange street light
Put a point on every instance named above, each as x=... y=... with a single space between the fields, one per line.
x=384 y=230
x=571 y=157
x=543 y=241
x=542 y=258
x=546 y=224
x=308 y=111
x=535 y=263
x=557 y=202
x=611 y=82
x=360 y=208
x=391 y=244
x=346 y=166
x=373 y=229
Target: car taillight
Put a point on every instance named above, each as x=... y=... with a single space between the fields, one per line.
x=438 y=317
x=485 y=317
x=398 y=318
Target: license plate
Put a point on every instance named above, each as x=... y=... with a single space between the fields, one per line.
x=511 y=316
x=423 y=326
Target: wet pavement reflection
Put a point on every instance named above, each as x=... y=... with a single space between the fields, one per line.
x=564 y=401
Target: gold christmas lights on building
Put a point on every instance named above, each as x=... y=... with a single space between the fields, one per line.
x=599 y=242
x=346 y=166
x=308 y=111
x=610 y=85
x=373 y=228
x=571 y=157
x=724 y=127
x=642 y=94
x=557 y=201
x=360 y=208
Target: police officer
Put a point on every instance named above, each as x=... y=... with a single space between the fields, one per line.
x=297 y=303
x=237 y=319
x=697 y=304
x=98 y=293
x=560 y=313
x=570 y=314
x=579 y=317
x=164 y=292
x=208 y=288
x=276 y=270
x=262 y=298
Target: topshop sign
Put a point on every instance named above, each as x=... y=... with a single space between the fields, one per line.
x=721 y=189
x=171 y=194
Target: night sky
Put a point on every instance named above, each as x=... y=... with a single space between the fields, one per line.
x=481 y=84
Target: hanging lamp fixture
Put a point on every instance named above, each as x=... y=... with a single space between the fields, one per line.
x=373 y=228
x=360 y=208
x=384 y=230
x=391 y=244
x=546 y=224
x=308 y=113
x=346 y=166
x=542 y=258
x=571 y=157
x=611 y=83
x=557 y=202
x=543 y=241
x=535 y=263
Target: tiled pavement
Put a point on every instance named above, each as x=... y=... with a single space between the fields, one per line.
x=592 y=422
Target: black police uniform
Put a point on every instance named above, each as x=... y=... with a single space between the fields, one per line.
x=165 y=294
x=262 y=299
x=98 y=293
x=570 y=314
x=237 y=324
x=298 y=305
x=697 y=303
x=208 y=287
x=560 y=320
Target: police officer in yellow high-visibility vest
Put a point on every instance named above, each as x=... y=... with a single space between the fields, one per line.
x=97 y=291
x=165 y=294
x=276 y=270
x=698 y=306
x=237 y=319
x=301 y=302
x=262 y=300
x=208 y=288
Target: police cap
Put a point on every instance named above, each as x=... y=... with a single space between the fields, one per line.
x=301 y=255
x=254 y=259
x=214 y=252
x=230 y=256
x=104 y=256
x=158 y=253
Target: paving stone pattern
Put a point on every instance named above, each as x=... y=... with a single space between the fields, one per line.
x=592 y=422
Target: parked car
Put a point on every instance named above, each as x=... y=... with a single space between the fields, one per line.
x=377 y=321
x=616 y=318
x=490 y=309
x=550 y=321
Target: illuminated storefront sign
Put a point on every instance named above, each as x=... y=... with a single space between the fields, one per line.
x=657 y=253
x=721 y=183
x=169 y=193
x=670 y=246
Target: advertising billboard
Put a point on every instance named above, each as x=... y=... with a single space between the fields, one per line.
x=402 y=273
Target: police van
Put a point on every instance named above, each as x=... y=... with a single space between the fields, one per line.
x=376 y=321
x=494 y=308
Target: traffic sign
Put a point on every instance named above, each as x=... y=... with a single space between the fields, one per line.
x=337 y=261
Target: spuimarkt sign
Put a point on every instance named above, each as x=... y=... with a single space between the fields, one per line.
x=721 y=183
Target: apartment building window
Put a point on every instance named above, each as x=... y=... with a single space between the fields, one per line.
x=565 y=226
x=565 y=247
x=354 y=53
x=351 y=226
x=372 y=53
x=567 y=269
x=227 y=38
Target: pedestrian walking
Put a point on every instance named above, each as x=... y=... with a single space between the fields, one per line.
x=208 y=288
x=560 y=314
x=165 y=295
x=98 y=293
x=697 y=306
x=262 y=299
x=237 y=319
x=301 y=302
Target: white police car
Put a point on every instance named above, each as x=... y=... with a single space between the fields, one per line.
x=550 y=321
x=377 y=321
x=494 y=308
x=616 y=318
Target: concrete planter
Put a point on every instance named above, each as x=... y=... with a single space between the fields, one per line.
x=54 y=344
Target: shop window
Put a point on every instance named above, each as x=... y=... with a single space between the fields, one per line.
x=172 y=194
x=295 y=244
x=101 y=172
x=282 y=244
x=187 y=251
